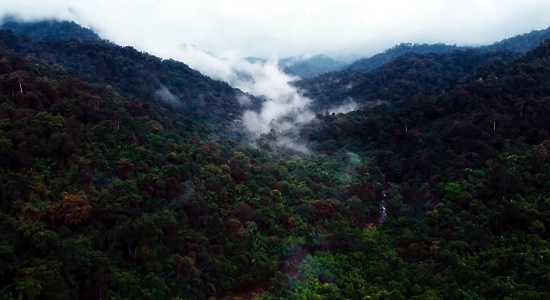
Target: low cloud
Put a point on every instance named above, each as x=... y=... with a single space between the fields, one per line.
x=345 y=108
x=286 y=28
x=354 y=159
x=244 y=100
x=292 y=144
x=284 y=105
x=375 y=103
x=165 y=95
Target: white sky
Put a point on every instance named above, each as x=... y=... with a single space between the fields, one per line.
x=266 y=28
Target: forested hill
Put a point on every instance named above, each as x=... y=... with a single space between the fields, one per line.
x=167 y=83
x=409 y=69
x=440 y=193
x=50 y=30
x=521 y=43
x=472 y=167
x=518 y=44
x=380 y=59
x=405 y=76
x=504 y=100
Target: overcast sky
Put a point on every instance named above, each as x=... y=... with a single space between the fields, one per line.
x=270 y=28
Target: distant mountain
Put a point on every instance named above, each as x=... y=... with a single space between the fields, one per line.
x=312 y=66
x=317 y=65
x=305 y=67
x=379 y=59
x=50 y=30
x=403 y=77
x=410 y=69
x=521 y=43
x=253 y=60
x=495 y=112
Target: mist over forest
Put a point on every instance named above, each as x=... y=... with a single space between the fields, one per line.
x=419 y=172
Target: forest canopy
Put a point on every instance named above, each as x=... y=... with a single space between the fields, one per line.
x=107 y=191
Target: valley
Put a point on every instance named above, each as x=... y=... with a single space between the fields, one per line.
x=124 y=175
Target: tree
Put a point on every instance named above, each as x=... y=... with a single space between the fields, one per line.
x=74 y=209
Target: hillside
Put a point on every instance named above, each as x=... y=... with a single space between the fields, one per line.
x=112 y=196
x=50 y=30
x=521 y=43
x=517 y=44
x=380 y=59
x=410 y=69
x=406 y=76
x=437 y=192
x=167 y=83
x=471 y=170
x=106 y=195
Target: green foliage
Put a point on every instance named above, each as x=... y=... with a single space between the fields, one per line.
x=452 y=189
x=122 y=198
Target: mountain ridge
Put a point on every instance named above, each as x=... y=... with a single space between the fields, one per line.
x=520 y=43
x=50 y=30
x=125 y=68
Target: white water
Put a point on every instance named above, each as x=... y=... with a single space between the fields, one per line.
x=382 y=212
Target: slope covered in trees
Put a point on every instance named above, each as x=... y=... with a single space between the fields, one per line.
x=107 y=196
x=50 y=30
x=521 y=43
x=149 y=79
x=377 y=60
x=408 y=75
x=410 y=69
x=517 y=44
x=103 y=195
x=471 y=166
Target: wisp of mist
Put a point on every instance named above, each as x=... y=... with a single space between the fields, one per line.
x=284 y=106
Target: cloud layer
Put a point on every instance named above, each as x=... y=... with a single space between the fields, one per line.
x=241 y=28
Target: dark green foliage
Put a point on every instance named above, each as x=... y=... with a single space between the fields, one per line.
x=521 y=43
x=178 y=89
x=517 y=44
x=410 y=76
x=105 y=196
x=50 y=30
x=381 y=59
